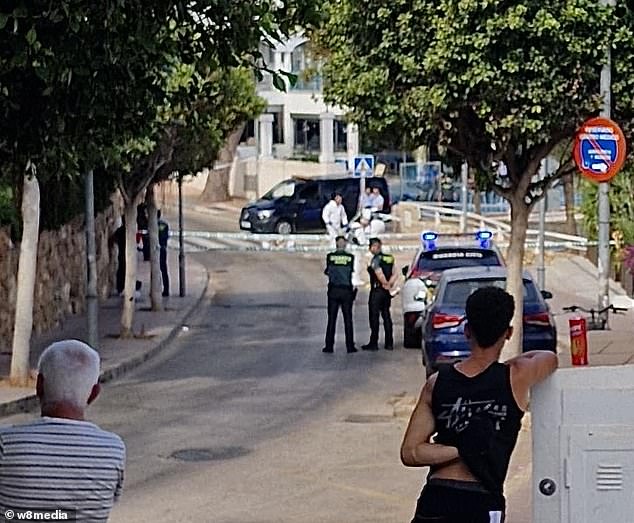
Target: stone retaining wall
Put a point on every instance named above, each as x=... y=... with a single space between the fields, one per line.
x=61 y=273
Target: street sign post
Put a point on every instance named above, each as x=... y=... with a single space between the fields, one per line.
x=599 y=149
x=364 y=166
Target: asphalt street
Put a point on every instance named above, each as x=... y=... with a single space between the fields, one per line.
x=243 y=419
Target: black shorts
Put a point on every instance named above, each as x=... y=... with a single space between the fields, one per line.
x=449 y=501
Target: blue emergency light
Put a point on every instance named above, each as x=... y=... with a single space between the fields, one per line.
x=484 y=237
x=428 y=239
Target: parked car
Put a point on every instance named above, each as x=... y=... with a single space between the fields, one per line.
x=295 y=205
x=439 y=252
x=443 y=320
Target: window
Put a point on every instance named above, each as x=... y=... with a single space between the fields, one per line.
x=309 y=193
x=341 y=136
x=457 y=292
x=249 y=132
x=306 y=134
x=278 y=127
x=282 y=189
x=442 y=259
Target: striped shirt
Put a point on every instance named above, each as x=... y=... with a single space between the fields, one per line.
x=58 y=463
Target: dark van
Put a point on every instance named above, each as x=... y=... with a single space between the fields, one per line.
x=295 y=205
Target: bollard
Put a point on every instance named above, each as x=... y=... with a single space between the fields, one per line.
x=578 y=341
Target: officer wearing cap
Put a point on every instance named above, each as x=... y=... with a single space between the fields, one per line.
x=382 y=277
x=341 y=293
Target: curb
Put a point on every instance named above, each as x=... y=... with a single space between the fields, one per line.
x=29 y=403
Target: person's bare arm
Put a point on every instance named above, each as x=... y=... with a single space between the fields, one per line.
x=528 y=369
x=382 y=279
x=416 y=449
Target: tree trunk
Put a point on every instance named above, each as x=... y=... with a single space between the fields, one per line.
x=217 y=186
x=514 y=280
x=23 y=324
x=569 y=196
x=477 y=201
x=129 y=293
x=156 y=282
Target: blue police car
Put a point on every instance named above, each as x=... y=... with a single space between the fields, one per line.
x=443 y=320
x=439 y=252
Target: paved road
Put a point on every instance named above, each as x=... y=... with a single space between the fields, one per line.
x=286 y=433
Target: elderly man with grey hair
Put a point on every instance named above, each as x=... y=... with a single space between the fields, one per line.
x=60 y=461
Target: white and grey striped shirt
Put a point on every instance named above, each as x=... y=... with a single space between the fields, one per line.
x=57 y=463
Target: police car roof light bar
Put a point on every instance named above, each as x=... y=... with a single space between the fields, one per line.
x=484 y=237
x=428 y=239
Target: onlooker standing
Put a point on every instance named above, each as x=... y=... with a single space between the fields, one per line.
x=118 y=238
x=382 y=278
x=341 y=294
x=334 y=215
x=475 y=409
x=61 y=461
x=163 y=237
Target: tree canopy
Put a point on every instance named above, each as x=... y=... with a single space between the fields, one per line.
x=491 y=80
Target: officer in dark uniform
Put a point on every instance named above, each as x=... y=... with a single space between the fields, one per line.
x=382 y=276
x=163 y=236
x=341 y=293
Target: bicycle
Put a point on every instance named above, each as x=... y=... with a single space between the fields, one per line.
x=598 y=319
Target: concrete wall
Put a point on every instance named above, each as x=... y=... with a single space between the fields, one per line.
x=61 y=273
x=271 y=172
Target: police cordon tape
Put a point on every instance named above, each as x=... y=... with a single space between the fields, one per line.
x=201 y=241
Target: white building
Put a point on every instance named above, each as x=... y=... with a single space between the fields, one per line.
x=299 y=134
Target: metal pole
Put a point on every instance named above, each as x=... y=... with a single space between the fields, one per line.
x=181 y=241
x=604 y=189
x=541 y=267
x=92 y=300
x=464 y=175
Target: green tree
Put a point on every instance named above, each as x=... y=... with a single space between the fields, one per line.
x=499 y=81
x=189 y=130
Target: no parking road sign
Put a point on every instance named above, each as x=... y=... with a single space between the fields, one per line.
x=599 y=149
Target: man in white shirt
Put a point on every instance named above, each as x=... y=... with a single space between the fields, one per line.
x=60 y=461
x=377 y=199
x=334 y=216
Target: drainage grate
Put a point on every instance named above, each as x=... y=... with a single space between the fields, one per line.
x=369 y=418
x=209 y=454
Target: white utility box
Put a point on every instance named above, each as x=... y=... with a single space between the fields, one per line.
x=583 y=446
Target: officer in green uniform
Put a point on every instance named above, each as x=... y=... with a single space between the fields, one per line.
x=382 y=276
x=341 y=293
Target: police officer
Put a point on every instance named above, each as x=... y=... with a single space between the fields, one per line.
x=163 y=236
x=382 y=277
x=341 y=293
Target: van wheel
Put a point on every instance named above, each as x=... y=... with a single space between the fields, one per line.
x=283 y=227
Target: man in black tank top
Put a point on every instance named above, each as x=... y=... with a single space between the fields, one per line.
x=473 y=411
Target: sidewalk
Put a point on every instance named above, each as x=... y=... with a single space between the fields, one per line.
x=573 y=281
x=153 y=331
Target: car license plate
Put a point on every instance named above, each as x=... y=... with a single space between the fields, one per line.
x=246 y=224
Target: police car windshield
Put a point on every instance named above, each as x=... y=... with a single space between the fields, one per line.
x=286 y=188
x=442 y=259
x=457 y=292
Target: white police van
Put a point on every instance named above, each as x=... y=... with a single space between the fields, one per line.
x=437 y=253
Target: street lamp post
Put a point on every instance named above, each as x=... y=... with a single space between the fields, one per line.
x=181 y=242
x=604 y=188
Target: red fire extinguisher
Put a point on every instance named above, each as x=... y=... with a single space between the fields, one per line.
x=578 y=341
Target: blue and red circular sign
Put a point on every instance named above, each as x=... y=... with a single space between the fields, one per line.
x=599 y=149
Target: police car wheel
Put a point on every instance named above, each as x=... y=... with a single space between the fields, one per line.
x=412 y=338
x=283 y=227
